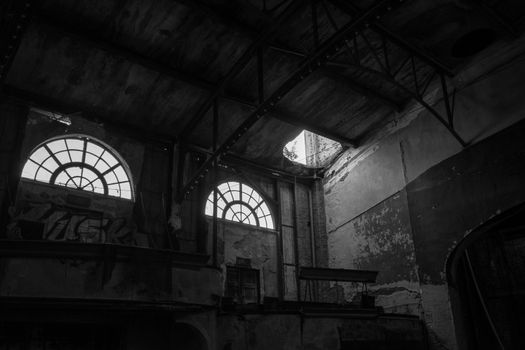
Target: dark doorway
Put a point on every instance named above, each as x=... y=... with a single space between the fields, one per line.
x=186 y=336
x=487 y=271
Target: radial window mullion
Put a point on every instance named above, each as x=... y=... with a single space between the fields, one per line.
x=80 y=163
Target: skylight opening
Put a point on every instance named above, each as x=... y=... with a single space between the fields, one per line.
x=311 y=150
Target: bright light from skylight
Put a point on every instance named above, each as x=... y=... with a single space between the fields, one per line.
x=295 y=150
x=311 y=150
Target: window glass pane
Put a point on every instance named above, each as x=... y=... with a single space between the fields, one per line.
x=74 y=171
x=114 y=191
x=125 y=190
x=61 y=179
x=264 y=209
x=121 y=174
x=110 y=178
x=43 y=175
x=50 y=164
x=76 y=156
x=90 y=159
x=109 y=159
x=94 y=149
x=102 y=166
x=40 y=155
x=57 y=146
x=75 y=144
x=63 y=157
x=209 y=208
x=29 y=171
x=97 y=186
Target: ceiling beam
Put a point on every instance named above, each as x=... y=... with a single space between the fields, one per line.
x=239 y=65
x=361 y=89
x=315 y=128
x=240 y=27
x=323 y=52
x=97 y=41
x=67 y=109
x=232 y=22
x=351 y=9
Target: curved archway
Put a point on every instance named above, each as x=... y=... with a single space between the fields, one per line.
x=486 y=277
x=186 y=336
x=80 y=162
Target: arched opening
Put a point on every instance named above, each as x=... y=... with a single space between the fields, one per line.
x=239 y=202
x=80 y=162
x=486 y=275
x=186 y=336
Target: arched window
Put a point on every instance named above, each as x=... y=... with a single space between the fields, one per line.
x=82 y=163
x=239 y=202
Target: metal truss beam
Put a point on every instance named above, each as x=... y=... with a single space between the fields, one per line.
x=248 y=55
x=312 y=62
x=395 y=39
x=418 y=84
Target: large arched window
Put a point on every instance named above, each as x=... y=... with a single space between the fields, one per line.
x=239 y=202
x=82 y=163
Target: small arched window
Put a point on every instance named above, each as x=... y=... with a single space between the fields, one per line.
x=82 y=163
x=239 y=202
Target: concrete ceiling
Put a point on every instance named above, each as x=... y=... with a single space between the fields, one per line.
x=153 y=65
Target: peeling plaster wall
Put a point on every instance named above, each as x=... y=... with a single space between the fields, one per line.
x=258 y=245
x=401 y=203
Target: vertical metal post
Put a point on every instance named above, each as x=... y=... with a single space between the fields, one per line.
x=215 y=177
x=169 y=190
x=180 y=168
x=280 y=245
x=296 y=239
x=450 y=112
x=315 y=24
x=260 y=74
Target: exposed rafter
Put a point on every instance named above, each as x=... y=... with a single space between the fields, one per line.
x=248 y=55
x=61 y=107
x=103 y=44
x=313 y=127
x=13 y=23
x=395 y=39
x=312 y=62
x=418 y=85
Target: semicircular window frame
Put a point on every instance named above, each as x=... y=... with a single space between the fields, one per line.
x=82 y=163
x=241 y=203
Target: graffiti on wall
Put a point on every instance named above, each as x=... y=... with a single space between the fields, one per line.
x=49 y=221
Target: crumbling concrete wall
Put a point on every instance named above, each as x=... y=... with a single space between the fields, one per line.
x=402 y=202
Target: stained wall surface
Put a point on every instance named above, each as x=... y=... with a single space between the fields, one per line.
x=403 y=202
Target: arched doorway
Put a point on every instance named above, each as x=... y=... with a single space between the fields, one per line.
x=486 y=276
x=185 y=336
